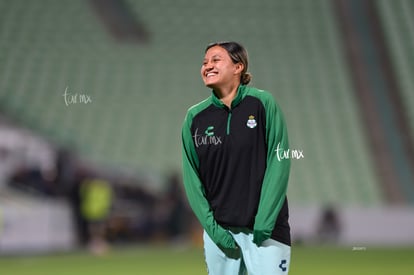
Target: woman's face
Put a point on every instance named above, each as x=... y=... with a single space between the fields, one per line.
x=218 y=69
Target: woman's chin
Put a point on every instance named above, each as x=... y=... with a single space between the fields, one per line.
x=210 y=85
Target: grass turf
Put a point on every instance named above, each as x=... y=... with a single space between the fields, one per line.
x=161 y=260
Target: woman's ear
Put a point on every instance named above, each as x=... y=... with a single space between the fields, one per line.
x=239 y=67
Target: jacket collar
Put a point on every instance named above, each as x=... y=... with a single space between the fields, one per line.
x=241 y=92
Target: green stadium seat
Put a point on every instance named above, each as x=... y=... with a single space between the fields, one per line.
x=140 y=92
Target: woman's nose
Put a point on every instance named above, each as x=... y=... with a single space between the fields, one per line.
x=208 y=66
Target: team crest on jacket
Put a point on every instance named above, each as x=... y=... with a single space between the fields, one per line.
x=251 y=122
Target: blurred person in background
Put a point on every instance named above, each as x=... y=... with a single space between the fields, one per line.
x=234 y=181
x=96 y=201
x=329 y=226
x=173 y=214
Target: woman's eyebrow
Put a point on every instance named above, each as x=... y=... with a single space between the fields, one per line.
x=214 y=56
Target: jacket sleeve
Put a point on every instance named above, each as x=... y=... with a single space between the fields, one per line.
x=276 y=176
x=195 y=191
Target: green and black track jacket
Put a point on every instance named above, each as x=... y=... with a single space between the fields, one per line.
x=232 y=174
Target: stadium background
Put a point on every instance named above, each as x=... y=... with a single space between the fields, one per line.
x=99 y=89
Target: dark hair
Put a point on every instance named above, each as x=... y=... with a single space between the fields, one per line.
x=238 y=54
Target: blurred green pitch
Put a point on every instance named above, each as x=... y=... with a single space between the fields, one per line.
x=163 y=260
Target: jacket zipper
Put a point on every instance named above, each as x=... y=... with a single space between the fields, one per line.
x=228 y=123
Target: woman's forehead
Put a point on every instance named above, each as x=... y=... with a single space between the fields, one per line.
x=216 y=51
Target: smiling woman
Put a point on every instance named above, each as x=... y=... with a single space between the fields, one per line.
x=234 y=181
x=224 y=68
